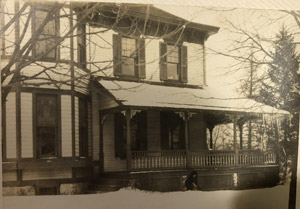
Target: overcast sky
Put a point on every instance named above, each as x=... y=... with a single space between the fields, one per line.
x=265 y=23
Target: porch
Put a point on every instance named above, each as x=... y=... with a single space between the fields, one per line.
x=159 y=134
x=174 y=159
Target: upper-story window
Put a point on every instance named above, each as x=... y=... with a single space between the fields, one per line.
x=173 y=62
x=81 y=41
x=46 y=46
x=129 y=57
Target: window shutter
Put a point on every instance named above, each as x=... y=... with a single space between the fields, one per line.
x=183 y=63
x=141 y=59
x=163 y=61
x=117 y=54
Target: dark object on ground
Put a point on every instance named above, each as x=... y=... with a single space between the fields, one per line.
x=191 y=182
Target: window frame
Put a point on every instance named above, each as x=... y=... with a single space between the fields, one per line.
x=81 y=47
x=138 y=126
x=167 y=142
x=182 y=65
x=83 y=142
x=56 y=36
x=57 y=146
x=139 y=71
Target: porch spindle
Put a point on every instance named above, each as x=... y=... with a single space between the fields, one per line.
x=128 y=139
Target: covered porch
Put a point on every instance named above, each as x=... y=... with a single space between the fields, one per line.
x=185 y=144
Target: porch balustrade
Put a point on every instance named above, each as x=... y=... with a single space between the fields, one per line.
x=171 y=159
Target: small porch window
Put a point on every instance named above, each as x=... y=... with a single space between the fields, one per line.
x=138 y=128
x=172 y=131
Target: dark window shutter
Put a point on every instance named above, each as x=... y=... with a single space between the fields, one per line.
x=117 y=54
x=183 y=63
x=141 y=59
x=163 y=61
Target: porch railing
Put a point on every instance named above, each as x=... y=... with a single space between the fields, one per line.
x=144 y=160
x=247 y=157
x=158 y=159
x=212 y=158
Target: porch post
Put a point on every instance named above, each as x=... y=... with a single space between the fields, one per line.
x=236 y=151
x=241 y=124
x=211 y=128
x=186 y=136
x=128 y=140
x=249 y=135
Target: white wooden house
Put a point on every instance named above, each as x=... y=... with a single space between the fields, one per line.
x=121 y=100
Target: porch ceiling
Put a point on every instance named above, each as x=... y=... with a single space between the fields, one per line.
x=146 y=95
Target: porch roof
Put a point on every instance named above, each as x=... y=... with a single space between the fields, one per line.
x=148 y=95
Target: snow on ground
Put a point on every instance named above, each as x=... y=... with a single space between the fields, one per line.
x=268 y=198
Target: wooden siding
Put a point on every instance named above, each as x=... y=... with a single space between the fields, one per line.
x=107 y=102
x=11 y=140
x=39 y=174
x=82 y=84
x=9 y=176
x=111 y=163
x=59 y=72
x=95 y=126
x=152 y=59
x=66 y=126
x=90 y=140
x=101 y=56
x=197 y=133
x=76 y=128
x=153 y=130
x=64 y=27
x=195 y=64
x=26 y=126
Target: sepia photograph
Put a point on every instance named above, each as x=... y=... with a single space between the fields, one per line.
x=149 y=104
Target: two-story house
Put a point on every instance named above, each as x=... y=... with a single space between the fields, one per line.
x=116 y=97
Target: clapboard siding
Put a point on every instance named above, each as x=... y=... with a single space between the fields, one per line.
x=106 y=102
x=102 y=54
x=90 y=140
x=9 y=176
x=153 y=130
x=195 y=64
x=39 y=174
x=95 y=126
x=11 y=139
x=64 y=27
x=76 y=128
x=197 y=133
x=66 y=126
x=26 y=126
x=81 y=81
x=111 y=163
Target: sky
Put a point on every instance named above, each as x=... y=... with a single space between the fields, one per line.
x=266 y=23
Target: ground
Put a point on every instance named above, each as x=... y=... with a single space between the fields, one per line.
x=268 y=198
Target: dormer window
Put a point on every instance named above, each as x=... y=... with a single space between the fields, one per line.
x=173 y=62
x=129 y=57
